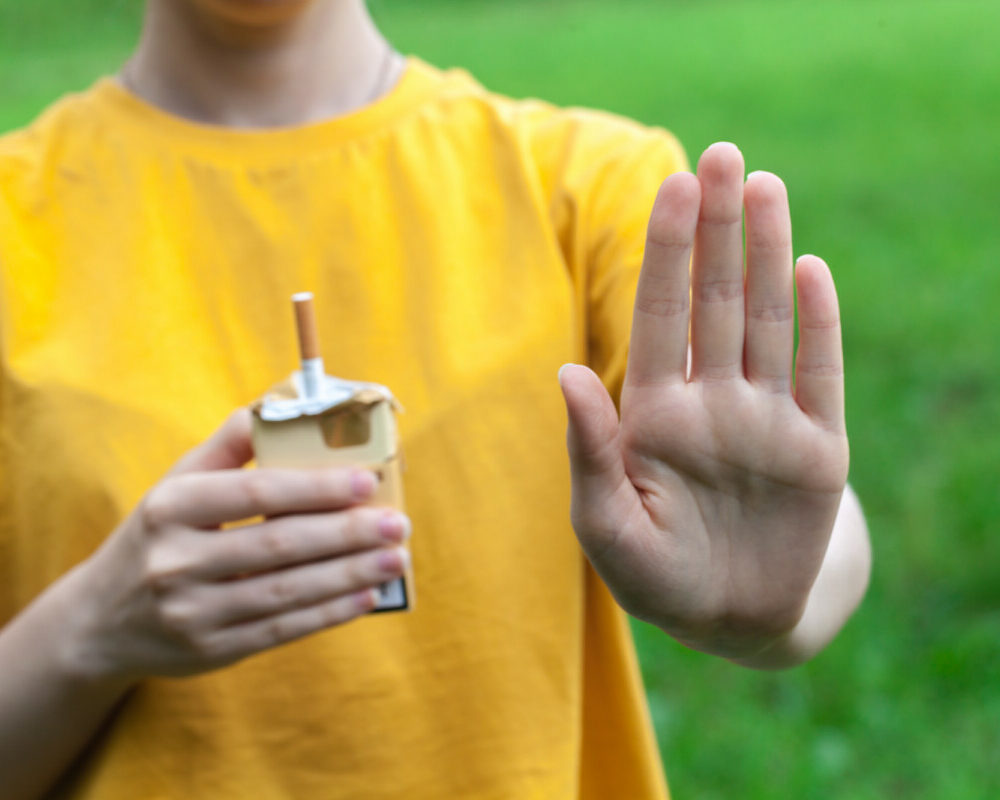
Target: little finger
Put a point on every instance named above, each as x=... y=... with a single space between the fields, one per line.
x=239 y=641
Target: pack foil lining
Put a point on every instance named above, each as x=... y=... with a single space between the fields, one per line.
x=285 y=401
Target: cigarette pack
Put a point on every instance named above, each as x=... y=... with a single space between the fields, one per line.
x=315 y=420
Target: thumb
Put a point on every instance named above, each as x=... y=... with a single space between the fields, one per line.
x=601 y=489
x=230 y=447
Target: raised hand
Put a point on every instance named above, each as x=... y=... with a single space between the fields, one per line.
x=707 y=509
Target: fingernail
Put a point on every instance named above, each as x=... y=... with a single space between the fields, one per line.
x=362 y=483
x=393 y=561
x=394 y=527
x=366 y=600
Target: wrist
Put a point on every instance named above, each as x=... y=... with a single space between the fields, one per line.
x=835 y=594
x=81 y=635
x=748 y=642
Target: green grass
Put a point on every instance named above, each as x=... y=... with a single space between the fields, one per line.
x=883 y=117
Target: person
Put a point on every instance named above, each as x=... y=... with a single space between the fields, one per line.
x=461 y=247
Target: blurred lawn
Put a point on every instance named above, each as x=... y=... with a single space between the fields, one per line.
x=883 y=116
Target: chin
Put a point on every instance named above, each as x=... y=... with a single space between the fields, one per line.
x=252 y=12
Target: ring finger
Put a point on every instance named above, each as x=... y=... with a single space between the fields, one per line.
x=296 y=539
x=299 y=587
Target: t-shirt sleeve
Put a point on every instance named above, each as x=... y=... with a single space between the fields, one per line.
x=601 y=174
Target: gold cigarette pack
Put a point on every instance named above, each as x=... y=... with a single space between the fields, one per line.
x=315 y=420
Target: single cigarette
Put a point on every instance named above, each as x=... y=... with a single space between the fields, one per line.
x=305 y=323
x=312 y=363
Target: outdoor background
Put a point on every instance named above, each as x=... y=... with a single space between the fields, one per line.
x=883 y=117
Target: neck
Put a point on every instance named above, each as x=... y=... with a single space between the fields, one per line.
x=324 y=61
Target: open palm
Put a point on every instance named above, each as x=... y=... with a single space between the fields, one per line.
x=708 y=506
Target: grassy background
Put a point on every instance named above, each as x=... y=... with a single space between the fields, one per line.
x=883 y=117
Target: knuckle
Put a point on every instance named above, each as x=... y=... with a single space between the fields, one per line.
x=822 y=370
x=283 y=592
x=278 y=544
x=350 y=525
x=334 y=485
x=179 y=619
x=158 y=582
x=257 y=492
x=162 y=572
x=770 y=313
x=207 y=649
x=245 y=553
x=336 y=613
x=830 y=323
x=359 y=526
x=158 y=507
x=718 y=291
x=662 y=234
x=720 y=217
x=663 y=306
x=275 y=631
x=359 y=571
x=767 y=242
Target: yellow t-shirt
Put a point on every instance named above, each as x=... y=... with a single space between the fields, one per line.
x=461 y=247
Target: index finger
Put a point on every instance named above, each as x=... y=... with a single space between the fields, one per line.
x=210 y=499
x=658 y=347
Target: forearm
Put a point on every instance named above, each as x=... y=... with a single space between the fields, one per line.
x=836 y=593
x=50 y=708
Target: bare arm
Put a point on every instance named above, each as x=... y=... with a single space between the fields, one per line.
x=49 y=707
x=170 y=593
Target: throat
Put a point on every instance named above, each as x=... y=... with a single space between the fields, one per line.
x=326 y=62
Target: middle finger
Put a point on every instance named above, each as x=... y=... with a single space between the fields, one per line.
x=717 y=319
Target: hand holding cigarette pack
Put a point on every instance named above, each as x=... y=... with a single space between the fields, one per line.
x=315 y=420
